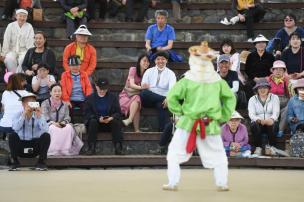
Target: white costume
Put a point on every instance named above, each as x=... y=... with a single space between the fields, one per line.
x=204 y=95
x=16 y=41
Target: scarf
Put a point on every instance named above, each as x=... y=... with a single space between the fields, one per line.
x=55 y=104
x=277 y=80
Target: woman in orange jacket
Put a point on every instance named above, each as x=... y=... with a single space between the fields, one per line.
x=75 y=85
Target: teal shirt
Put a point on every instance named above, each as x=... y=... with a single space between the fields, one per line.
x=214 y=100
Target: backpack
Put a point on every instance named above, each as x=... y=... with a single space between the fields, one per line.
x=297 y=145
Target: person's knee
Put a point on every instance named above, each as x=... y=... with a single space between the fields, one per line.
x=45 y=137
x=13 y=137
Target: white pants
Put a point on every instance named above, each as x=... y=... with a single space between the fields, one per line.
x=13 y=61
x=211 y=151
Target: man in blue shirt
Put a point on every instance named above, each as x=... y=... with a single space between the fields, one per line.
x=31 y=136
x=160 y=37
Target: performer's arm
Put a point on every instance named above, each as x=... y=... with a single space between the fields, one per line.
x=174 y=96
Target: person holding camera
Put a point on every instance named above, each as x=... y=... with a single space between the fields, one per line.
x=102 y=113
x=31 y=137
x=63 y=138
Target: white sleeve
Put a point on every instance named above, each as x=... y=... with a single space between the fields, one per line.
x=252 y=110
x=52 y=78
x=6 y=40
x=276 y=108
x=235 y=62
x=31 y=34
x=172 y=80
x=145 y=78
x=235 y=86
x=34 y=80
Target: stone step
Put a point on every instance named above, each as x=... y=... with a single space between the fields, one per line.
x=160 y=161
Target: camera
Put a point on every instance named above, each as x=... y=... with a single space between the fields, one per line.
x=28 y=150
x=33 y=105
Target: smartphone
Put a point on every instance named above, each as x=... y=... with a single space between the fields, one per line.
x=33 y=105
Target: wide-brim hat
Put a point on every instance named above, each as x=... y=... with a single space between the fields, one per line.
x=83 y=30
x=162 y=54
x=236 y=115
x=260 y=38
x=279 y=64
x=21 y=11
x=27 y=95
x=298 y=84
x=261 y=83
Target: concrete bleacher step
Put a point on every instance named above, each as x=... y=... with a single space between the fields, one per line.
x=160 y=161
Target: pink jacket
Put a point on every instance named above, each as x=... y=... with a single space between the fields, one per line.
x=280 y=89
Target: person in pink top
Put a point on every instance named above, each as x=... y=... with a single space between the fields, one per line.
x=129 y=99
x=235 y=137
x=279 y=81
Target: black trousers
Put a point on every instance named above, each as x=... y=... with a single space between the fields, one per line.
x=114 y=126
x=252 y=15
x=104 y=7
x=258 y=130
x=142 y=12
x=166 y=135
x=153 y=100
x=72 y=25
x=9 y=8
x=40 y=146
x=76 y=110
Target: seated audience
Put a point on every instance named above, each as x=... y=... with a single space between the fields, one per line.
x=235 y=137
x=31 y=136
x=295 y=113
x=42 y=82
x=279 y=86
x=159 y=80
x=160 y=37
x=105 y=7
x=102 y=113
x=75 y=14
x=129 y=99
x=258 y=63
x=281 y=39
x=11 y=5
x=228 y=75
x=82 y=48
x=40 y=54
x=294 y=57
x=264 y=111
x=227 y=47
x=11 y=105
x=75 y=85
x=64 y=141
x=247 y=12
x=142 y=13
x=18 y=38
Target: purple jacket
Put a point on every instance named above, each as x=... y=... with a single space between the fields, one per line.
x=240 y=137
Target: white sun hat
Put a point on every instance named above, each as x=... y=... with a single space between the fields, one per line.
x=83 y=30
x=236 y=115
x=21 y=11
x=260 y=38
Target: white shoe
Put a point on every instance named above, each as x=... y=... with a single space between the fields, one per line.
x=246 y=154
x=258 y=151
x=222 y=188
x=234 y=20
x=168 y=187
x=225 y=22
x=126 y=122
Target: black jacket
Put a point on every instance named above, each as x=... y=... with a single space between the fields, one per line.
x=90 y=109
x=48 y=57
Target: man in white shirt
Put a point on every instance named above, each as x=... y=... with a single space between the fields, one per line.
x=160 y=80
x=18 y=38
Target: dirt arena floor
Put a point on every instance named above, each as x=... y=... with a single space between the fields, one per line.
x=144 y=185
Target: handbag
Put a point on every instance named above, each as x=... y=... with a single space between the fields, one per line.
x=131 y=91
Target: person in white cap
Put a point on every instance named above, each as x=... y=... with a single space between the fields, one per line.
x=82 y=48
x=18 y=38
x=258 y=63
x=75 y=14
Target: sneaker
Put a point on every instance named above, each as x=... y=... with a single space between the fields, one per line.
x=250 y=40
x=222 y=188
x=270 y=151
x=234 y=20
x=258 y=151
x=126 y=122
x=225 y=22
x=41 y=166
x=246 y=154
x=15 y=166
x=168 y=187
x=280 y=134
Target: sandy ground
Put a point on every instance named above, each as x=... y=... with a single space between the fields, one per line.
x=144 y=185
